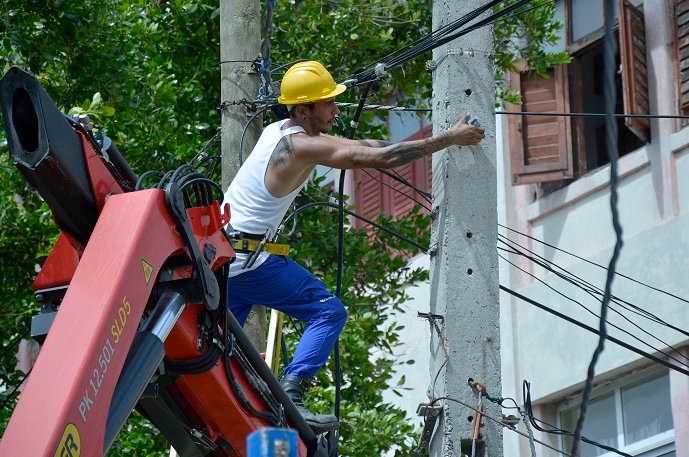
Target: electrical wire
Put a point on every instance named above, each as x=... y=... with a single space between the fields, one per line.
x=666 y=354
x=611 y=136
x=235 y=61
x=289 y=64
x=396 y=176
x=266 y=91
x=618 y=301
x=14 y=390
x=12 y=345
x=586 y=286
x=526 y=394
x=590 y=262
x=630 y=115
x=241 y=141
x=387 y=230
x=403 y=55
x=499 y=422
x=396 y=189
x=340 y=254
x=593 y=330
x=442 y=36
x=519 y=113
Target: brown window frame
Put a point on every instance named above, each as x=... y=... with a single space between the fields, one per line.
x=573 y=152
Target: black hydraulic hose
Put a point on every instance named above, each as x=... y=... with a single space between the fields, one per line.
x=196 y=365
x=294 y=418
x=239 y=394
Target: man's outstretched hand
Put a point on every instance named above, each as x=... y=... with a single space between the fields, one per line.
x=464 y=134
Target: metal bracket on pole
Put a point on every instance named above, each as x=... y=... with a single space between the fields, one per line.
x=431 y=412
x=430 y=316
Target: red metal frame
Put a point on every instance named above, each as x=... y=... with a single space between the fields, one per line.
x=64 y=406
x=77 y=369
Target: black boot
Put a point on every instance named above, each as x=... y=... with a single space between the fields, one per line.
x=295 y=387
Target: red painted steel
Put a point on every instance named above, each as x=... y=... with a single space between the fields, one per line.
x=59 y=267
x=76 y=372
x=209 y=394
x=64 y=406
x=102 y=181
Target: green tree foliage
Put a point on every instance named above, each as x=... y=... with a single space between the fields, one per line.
x=148 y=73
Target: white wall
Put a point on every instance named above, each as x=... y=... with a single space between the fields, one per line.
x=415 y=341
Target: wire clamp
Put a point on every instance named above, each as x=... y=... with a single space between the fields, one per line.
x=430 y=316
x=430 y=412
x=510 y=420
x=431 y=65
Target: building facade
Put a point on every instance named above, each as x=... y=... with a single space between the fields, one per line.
x=554 y=211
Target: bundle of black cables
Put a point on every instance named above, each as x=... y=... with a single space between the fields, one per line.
x=441 y=36
x=539 y=424
x=276 y=416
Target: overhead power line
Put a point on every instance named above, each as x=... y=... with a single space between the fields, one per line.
x=586 y=286
x=400 y=191
x=593 y=330
x=610 y=91
x=590 y=262
x=499 y=422
x=637 y=338
x=397 y=108
x=439 y=37
x=624 y=115
x=387 y=230
x=536 y=422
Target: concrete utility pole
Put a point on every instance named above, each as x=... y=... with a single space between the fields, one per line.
x=240 y=44
x=464 y=273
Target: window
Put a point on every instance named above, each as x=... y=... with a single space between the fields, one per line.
x=558 y=149
x=682 y=49
x=635 y=417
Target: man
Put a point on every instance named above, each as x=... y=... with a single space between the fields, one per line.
x=265 y=187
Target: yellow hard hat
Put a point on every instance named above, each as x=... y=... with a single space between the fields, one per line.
x=308 y=82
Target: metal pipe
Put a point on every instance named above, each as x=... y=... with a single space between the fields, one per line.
x=144 y=358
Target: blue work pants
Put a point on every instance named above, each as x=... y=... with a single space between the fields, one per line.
x=282 y=284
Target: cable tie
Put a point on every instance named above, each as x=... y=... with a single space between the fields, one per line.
x=380 y=70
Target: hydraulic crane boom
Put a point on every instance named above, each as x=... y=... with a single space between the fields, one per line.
x=133 y=295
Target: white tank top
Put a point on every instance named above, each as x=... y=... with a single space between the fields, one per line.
x=252 y=207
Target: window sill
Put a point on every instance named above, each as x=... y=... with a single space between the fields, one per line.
x=679 y=140
x=588 y=184
x=649 y=444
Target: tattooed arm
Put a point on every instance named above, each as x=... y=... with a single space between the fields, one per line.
x=344 y=153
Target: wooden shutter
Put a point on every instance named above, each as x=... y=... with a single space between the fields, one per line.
x=682 y=47
x=401 y=204
x=376 y=193
x=418 y=173
x=634 y=68
x=368 y=196
x=540 y=146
